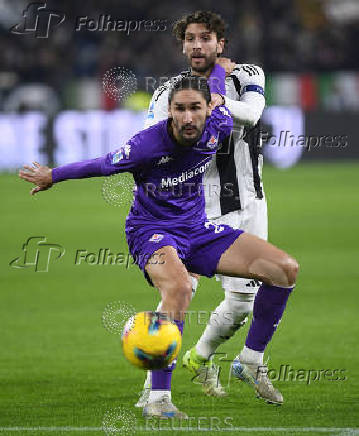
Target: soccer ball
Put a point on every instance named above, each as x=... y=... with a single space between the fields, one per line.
x=150 y=340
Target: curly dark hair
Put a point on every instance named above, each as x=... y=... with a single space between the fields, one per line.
x=213 y=22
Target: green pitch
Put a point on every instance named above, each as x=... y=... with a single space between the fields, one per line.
x=60 y=368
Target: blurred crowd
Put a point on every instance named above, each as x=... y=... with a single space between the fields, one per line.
x=281 y=35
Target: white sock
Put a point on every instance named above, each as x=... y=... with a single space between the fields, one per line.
x=225 y=320
x=157 y=395
x=251 y=356
x=194 y=285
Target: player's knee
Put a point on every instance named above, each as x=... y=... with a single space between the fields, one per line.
x=291 y=267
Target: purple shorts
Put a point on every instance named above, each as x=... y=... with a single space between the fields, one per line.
x=199 y=246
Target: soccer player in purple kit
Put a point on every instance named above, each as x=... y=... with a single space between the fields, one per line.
x=234 y=195
x=171 y=225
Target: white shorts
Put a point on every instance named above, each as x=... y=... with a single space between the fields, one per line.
x=252 y=219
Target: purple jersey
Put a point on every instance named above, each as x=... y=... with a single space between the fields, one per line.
x=168 y=176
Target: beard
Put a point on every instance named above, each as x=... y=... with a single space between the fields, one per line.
x=184 y=140
x=192 y=140
x=208 y=64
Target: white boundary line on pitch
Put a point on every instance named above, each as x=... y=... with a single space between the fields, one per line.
x=350 y=430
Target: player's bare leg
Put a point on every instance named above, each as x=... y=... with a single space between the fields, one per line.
x=255 y=258
x=172 y=280
x=145 y=393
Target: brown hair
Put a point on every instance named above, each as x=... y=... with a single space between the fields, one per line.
x=213 y=22
x=191 y=82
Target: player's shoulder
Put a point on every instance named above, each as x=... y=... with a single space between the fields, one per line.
x=149 y=142
x=249 y=70
x=247 y=76
x=150 y=135
x=164 y=89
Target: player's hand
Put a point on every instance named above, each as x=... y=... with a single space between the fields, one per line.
x=216 y=100
x=39 y=175
x=227 y=64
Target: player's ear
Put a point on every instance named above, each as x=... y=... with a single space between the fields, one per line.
x=209 y=109
x=183 y=49
x=220 y=46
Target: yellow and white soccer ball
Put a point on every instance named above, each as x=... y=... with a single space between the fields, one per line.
x=150 y=340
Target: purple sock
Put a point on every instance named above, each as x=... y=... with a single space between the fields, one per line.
x=161 y=379
x=268 y=309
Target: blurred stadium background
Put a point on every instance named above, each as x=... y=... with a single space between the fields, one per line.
x=58 y=365
x=51 y=88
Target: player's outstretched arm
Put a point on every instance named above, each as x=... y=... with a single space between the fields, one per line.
x=44 y=177
x=125 y=159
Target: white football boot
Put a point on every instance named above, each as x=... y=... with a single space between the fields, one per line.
x=257 y=376
x=163 y=408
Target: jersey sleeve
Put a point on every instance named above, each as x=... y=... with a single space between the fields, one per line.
x=218 y=127
x=249 y=108
x=134 y=155
x=158 y=108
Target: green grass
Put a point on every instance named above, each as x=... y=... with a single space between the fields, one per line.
x=60 y=367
